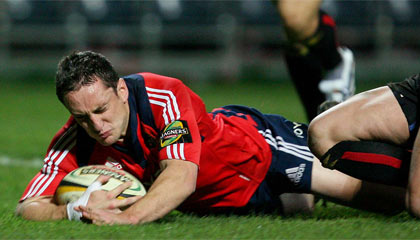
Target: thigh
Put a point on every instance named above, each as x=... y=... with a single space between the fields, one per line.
x=343 y=189
x=300 y=17
x=333 y=184
x=297 y=203
x=299 y=8
x=371 y=115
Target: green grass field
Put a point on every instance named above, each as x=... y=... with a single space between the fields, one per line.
x=30 y=115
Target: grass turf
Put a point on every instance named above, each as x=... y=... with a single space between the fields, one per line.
x=332 y=222
x=30 y=115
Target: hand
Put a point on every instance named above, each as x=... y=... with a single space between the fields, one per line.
x=108 y=199
x=105 y=217
x=72 y=214
x=176 y=182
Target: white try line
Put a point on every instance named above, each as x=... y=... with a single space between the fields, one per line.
x=7 y=161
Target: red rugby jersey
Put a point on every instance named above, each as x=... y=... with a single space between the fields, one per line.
x=168 y=121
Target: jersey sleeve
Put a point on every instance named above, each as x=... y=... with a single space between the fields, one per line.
x=174 y=114
x=59 y=160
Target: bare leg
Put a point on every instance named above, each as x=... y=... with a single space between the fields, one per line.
x=343 y=189
x=371 y=115
x=300 y=17
x=297 y=203
x=319 y=68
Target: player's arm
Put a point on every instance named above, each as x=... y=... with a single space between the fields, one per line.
x=37 y=201
x=175 y=183
x=41 y=208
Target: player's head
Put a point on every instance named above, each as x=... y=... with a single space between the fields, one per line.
x=89 y=88
x=81 y=69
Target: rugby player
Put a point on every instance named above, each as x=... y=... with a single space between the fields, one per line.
x=156 y=128
x=374 y=136
x=320 y=69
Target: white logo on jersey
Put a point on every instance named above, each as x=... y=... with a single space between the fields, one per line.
x=295 y=174
x=244 y=177
x=110 y=162
x=298 y=131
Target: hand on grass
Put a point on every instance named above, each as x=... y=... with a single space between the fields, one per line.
x=106 y=217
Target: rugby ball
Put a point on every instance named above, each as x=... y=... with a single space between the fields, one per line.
x=76 y=182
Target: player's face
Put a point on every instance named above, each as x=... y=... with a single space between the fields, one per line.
x=101 y=111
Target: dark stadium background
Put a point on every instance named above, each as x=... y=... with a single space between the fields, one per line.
x=200 y=40
x=229 y=52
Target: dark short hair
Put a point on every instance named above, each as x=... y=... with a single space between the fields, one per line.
x=81 y=69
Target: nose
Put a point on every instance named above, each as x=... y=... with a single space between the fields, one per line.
x=95 y=123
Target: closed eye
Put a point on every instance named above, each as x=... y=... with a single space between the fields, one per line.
x=100 y=110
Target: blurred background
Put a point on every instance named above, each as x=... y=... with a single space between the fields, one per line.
x=229 y=52
x=217 y=40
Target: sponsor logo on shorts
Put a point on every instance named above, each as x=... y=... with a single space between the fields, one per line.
x=297 y=130
x=175 y=132
x=295 y=174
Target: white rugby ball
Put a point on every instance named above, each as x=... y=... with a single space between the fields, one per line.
x=76 y=182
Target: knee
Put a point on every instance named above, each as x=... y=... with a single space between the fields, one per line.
x=299 y=26
x=299 y=21
x=318 y=137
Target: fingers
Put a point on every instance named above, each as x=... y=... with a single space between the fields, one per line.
x=119 y=189
x=86 y=212
x=89 y=213
x=103 y=179
x=121 y=203
x=96 y=216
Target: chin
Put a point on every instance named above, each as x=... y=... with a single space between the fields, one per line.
x=107 y=142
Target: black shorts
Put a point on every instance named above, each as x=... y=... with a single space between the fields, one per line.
x=291 y=166
x=406 y=93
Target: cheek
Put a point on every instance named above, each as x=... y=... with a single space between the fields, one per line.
x=116 y=116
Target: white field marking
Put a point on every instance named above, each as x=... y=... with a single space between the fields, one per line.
x=33 y=163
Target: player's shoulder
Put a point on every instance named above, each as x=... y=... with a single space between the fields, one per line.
x=69 y=126
x=159 y=81
x=66 y=134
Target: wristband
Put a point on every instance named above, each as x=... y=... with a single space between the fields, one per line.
x=74 y=215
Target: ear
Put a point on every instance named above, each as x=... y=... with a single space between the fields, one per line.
x=122 y=90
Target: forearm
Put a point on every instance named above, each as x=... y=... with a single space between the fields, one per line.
x=41 y=209
x=169 y=190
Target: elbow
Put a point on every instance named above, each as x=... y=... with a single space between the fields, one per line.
x=40 y=209
x=25 y=209
x=19 y=210
x=189 y=186
x=190 y=181
x=191 y=189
